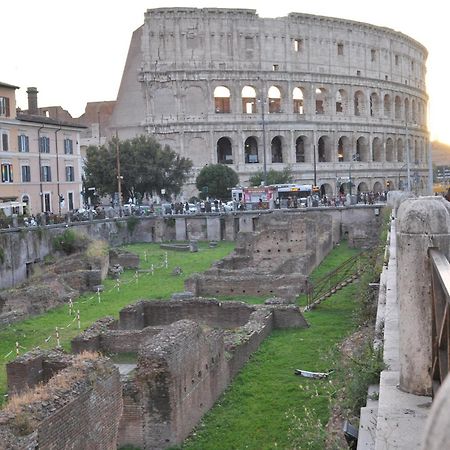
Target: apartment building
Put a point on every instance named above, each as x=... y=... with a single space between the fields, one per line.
x=40 y=158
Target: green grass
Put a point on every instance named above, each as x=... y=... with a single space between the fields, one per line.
x=268 y=406
x=33 y=332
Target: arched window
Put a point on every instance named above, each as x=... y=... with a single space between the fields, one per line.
x=407 y=118
x=398 y=107
x=251 y=150
x=248 y=100
x=417 y=155
x=224 y=151
x=413 y=111
x=276 y=150
x=341 y=101
x=321 y=97
x=362 y=150
x=362 y=187
x=222 y=99
x=340 y=150
x=323 y=148
x=377 y=187
x=389 y=150
x=300 y=146
x=387 y=105
x=359 y=103
x=374 y=105
x=377 y=150
x=400 y=149
x=274 y=96
x=298 y=101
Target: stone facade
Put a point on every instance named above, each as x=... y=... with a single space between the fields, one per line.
x=332 y=99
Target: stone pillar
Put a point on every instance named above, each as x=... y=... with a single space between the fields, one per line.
x=213 y=228
x=422 y=223
x=180 y=229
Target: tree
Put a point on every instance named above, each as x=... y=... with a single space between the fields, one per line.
x=216 y=180
x=145 y=168
x=273 y=177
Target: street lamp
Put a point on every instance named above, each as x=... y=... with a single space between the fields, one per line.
x=355 y=157
x=261 y=101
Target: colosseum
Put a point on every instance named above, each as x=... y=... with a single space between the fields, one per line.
x=332 y=99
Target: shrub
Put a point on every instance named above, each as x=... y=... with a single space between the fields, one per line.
x=70 y=242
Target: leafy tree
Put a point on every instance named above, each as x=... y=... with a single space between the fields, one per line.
x=145 y=168
x=216 y=180
x=273 y=177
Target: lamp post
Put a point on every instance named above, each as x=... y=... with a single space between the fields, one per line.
x=263 y=120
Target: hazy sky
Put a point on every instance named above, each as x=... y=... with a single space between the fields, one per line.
x=74 y=52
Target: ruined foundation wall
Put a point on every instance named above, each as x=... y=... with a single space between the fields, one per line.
x=207 y=312
x=81 y=410
x=181 y=373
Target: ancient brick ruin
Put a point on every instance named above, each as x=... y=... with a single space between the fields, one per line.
x=76 y=402
x=276 y=259
x=184 y=353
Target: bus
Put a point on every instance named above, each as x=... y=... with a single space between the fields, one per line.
x=293 y=195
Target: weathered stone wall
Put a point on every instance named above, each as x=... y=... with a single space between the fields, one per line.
x=203 y=311
x=181 y=372
x=81 y=409
x=23 y=249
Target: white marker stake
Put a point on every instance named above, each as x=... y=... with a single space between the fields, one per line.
x=78 y=318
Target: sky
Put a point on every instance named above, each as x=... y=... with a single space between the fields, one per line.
x=75 y=52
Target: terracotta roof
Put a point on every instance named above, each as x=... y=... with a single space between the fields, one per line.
x=8 y=85
x=47 y=120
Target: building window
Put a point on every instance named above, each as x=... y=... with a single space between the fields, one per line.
x=70 y=173
x=23 y=143
x=47 y=202
x=26 y=174
x=44 y=144
x=70 y=200
x=298 y=45
x=68 y=146
x=46 y=173
x=397 y=60
x=340 y=49
x=275 y=67
x=7 y=173
x=4 y=106
x=373 y=55
x=5 y=141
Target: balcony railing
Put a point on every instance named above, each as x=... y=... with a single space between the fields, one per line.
x=440 y=282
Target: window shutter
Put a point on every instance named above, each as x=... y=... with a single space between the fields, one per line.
x=7 y=106
x=5 y=142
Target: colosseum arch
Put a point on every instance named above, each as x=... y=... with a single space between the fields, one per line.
x=362 y=149
x=326 y=189
x=413 y=111
x=298 y=98
x=397 y=107
x=387 y=106
x=400 y=150
x=321 y=100
x=374 y=104
x=324 y=149
x=377 y=150
x=274 y=99
x=378 y=187
x=300 y=149
x=276 y=150
x=417 y=153
x=224 y=151
x=359 y=103
x=344 y=149
x=248 y=95
x=362 y=187
x=341 y=102
x=251 y=150
x=407 y=116
x=222 y=97
x=390 y=150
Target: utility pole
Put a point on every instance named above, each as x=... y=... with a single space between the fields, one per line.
x=264 y=141
x=119 y=178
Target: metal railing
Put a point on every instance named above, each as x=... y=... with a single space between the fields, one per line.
x=348 y=271
x=440 y=283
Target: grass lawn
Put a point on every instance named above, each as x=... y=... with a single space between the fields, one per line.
x=35 y=331
x=268 y=406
